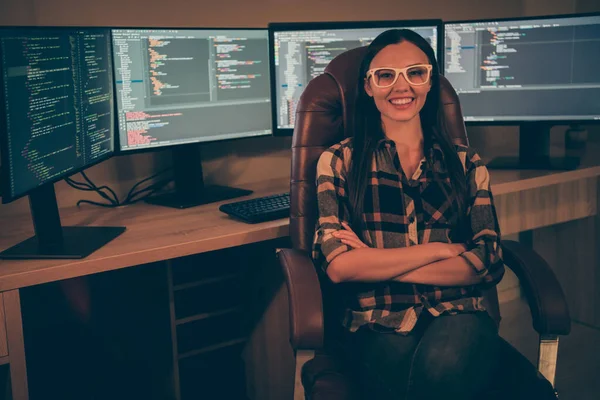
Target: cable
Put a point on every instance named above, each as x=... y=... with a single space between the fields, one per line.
x=152 y=189
x=132 y=192
x=116 y=198
x=111 y=196
x=88 y=188
x=91 y=187
x=95 y=203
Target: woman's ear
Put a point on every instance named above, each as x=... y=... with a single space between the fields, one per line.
x=429 y=86
x=368 y=87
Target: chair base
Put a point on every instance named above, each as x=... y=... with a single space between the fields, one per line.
x=302 y=357
x=547 y=356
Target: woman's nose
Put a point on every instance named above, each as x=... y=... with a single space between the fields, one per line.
x=401 y=83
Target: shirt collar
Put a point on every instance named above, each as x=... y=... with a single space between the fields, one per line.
x=434 y=151
x=385 y=142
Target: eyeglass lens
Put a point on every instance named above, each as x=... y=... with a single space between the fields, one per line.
x=416 y=75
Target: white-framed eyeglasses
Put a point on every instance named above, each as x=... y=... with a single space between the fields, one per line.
x=415 y=75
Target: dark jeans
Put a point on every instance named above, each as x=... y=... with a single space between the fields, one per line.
x=447 y=357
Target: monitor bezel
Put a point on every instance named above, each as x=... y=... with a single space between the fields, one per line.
x=6 y=167
x=309 y=26
x=117 y=149
x=517 y=121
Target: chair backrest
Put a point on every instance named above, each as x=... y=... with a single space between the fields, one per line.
x=323 y=118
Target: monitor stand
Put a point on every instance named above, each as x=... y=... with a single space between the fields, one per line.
x=534 y=150
x=189 y=182
x=53 y=241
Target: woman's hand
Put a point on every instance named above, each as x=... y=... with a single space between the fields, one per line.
x=348 y=237
x=454 y=249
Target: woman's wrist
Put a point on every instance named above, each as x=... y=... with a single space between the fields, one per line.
x=447 y=250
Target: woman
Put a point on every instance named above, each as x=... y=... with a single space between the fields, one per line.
x=407 y=222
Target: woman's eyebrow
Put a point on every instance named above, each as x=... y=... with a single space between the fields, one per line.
x=419 y=63
x=406 y=66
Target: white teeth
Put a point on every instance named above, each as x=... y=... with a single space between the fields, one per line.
x=401 y=101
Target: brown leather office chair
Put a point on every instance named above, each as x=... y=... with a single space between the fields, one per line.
x=323 y=118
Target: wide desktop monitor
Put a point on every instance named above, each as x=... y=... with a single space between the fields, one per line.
x=56 y=91
x=181 y=87
x=535 y=72
x=301 y=51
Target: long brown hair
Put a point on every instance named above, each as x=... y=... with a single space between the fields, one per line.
x=368 y=132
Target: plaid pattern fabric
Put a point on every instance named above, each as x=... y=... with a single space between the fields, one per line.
x=402 y=212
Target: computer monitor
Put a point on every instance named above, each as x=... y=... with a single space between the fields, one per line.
x=56 y=119
x=181 y=87
x=534 y=72
x=301 y=51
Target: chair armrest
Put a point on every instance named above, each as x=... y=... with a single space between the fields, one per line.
x=305 y=302
x=549 y=309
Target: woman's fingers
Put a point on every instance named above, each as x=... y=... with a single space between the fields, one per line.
x=348 y=237
x=347 y=228
x=345 y=235
x=355 y=244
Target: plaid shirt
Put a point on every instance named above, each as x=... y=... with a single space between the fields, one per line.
x=401 y=212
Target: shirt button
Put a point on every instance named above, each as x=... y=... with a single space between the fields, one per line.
x=411 y=219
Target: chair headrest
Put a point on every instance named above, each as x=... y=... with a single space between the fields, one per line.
x=324 y=116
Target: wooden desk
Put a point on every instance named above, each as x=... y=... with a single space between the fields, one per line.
x=153 y=234
x=525 y=200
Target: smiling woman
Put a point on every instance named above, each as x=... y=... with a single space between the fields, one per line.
x=399 y=93
x=408 y=217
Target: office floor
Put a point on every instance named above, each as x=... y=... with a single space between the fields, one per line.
x=578 y=354
x=93 y=374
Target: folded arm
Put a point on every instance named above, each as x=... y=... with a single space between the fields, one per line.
x=386 y=264
x=455 y=271
x=334 y=238
x=482 y=263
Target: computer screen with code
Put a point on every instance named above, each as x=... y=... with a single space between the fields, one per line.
x=542 y=69
x=178 y=86
x=57 y=104
x=302 y=54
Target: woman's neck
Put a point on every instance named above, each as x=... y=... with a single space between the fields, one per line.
x=408 y=135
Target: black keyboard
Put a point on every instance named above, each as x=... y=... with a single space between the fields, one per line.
x=259 y=209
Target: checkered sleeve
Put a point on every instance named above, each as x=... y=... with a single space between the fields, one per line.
x=333 y=208
x=485 y=253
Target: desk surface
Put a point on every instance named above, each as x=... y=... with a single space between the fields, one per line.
x=159 y=233
x=153 y=234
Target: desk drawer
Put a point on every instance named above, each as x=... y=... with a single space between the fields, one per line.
x=210 y=298
x=200 y=267
x=208 y=333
